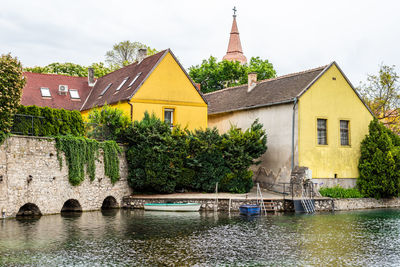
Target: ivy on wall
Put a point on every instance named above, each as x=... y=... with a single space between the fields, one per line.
x=81 y=153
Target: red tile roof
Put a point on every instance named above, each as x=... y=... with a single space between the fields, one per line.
x=31 y=94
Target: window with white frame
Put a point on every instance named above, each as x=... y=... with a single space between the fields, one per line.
x=344 y=133
x=74 y=94
x=45 y=92
x=321 y=132
x=122 y=84
x=169 y=116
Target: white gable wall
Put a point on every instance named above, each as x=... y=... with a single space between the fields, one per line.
x=277 y=120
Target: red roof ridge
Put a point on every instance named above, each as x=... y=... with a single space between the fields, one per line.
x=55 y=74
x=273 y=79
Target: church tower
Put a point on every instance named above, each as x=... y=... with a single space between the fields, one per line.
x=235 y=52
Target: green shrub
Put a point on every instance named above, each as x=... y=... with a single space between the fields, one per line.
x=379 y=164
x=340 y=192
x=107 y=123
x=48 y=121
x=162 y=161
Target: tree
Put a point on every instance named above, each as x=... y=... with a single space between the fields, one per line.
x=382 y=95
x=71 y=69
x=379 y=164
x=213 y=75
x=125 y=53
x=11 y=84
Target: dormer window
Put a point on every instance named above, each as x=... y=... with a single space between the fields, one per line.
x=45 y=92
x=134 y=79
x=74 y=94
x=105 y=89
x=122 y=84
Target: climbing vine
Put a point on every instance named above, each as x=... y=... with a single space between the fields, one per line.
x=81 y=153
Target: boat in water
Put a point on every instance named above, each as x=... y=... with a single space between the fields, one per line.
x=172 y=206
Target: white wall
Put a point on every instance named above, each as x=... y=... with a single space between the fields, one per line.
x=277 y=121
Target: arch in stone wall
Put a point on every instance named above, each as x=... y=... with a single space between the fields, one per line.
x=109 y=202
x=71 y=205
x=29 y=209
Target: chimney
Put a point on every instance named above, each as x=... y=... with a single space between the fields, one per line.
x=91 y=80
x=142 y=53
x=198 y=86
x=252 y=79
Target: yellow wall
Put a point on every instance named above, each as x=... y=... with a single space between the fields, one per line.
x=168 y=87
x=124 y=106
x=333 y=100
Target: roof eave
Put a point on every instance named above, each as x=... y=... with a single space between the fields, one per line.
x=287 y=101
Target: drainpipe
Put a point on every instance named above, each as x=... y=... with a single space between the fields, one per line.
x=130 y=104
x=293 y=126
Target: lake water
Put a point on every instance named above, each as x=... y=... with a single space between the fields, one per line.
x=139 y=238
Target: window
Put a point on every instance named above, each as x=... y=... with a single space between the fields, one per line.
x=134 y=79
x=74 y=94
x=45 y=92
x=105 y=89
x=344 y=133
x=321 y=132
x=169 y=116
x=122 y=84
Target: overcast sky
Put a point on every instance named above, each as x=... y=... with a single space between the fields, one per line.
x=293 y=35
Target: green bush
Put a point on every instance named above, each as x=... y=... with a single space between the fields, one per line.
x=107 y=123
x=48 y=122
x=379 y=164
x=340 y=192
x=162 y=161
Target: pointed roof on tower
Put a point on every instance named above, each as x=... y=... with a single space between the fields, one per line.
x=235 y=52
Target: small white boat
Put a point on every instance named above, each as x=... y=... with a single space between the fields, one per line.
x=173 y=206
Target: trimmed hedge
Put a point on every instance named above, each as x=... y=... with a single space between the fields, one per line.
x=54 y=122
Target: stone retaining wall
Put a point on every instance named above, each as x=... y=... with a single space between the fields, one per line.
x=30 y=173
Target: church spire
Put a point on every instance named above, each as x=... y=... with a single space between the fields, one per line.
x=235 y=52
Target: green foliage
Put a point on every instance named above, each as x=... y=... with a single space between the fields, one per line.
x=53 y=122
x=125 y=53
x=379 y=164
x=3 y=137
x=71 y=69
x=153 y=156
x=11 y=84
x=107 y=123
x=213 y=75
x=81 y=153
x=161 y=160
x=382 y=94
x=340 y=192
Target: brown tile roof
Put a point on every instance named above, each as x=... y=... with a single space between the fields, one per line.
x=267 y=92
x=117 y=77
x=31 y=94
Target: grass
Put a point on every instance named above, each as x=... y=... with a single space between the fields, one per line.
x=340 y=192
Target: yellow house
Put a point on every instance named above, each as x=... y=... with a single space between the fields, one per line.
x=313 y=118
x=157 y=84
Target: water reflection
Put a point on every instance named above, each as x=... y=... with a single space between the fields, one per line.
x=137 y=238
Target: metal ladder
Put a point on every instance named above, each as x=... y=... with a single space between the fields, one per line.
x=260 y=200
x=306 y=202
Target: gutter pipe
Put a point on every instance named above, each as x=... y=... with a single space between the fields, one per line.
x=293 y=126
x=130 y=104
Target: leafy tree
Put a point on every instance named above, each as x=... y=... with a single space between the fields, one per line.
x=382 y=94
x=11 y=84
x=213 y=75
x=125 y=53
x=107 y=123
x=379 y=164
x=154 y=155
x=72 y=69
